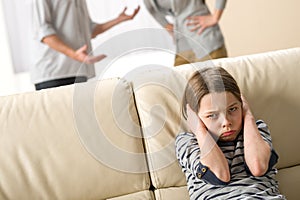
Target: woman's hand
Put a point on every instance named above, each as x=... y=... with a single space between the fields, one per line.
x=170 y=29
x=200 y=23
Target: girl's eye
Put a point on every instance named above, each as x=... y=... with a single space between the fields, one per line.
x=212 y=116
x=233 y=109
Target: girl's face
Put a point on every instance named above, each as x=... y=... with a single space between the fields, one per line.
x=222 y=115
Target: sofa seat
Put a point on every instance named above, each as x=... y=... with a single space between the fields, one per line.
x=114 y=138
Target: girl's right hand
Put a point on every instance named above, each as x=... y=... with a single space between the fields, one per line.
x=195 y=123
x=211 y=155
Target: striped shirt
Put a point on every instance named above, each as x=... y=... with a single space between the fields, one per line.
x=203 y=184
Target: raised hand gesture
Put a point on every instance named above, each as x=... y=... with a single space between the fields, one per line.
x=124 y=17
x=81 y=55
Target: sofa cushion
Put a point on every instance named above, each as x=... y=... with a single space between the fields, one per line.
x=174 y=193
x=144 y=195
x=289 y=181
x=50 y=148
x=267 y=80
x=158 y=92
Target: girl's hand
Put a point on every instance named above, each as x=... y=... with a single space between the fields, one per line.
x=256 y=150
x=246 y=107
x=195 y=123
x=211 y=155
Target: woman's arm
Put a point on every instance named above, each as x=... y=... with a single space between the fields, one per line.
x=211 y=155
x=257 y=151
x=200 y=22
x=156 y=14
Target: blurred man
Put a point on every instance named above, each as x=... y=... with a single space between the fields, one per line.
x=63 y=29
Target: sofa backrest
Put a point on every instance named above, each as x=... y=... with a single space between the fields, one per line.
x=158 y=92
x=74 y=142
x=114 y=139
x=268 y=80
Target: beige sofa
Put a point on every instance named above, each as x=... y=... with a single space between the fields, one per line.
x=114 y=139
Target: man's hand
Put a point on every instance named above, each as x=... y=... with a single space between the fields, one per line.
x=100 y=28
x=82 y=56
x=124 y=17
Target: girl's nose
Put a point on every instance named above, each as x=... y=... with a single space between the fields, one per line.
x=226 y=122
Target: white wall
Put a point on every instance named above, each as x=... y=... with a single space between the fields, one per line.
x=6 y=75
x=127 y=45
x=10 y=83
x=254 y=26
x=100 y=11
x=249 y=26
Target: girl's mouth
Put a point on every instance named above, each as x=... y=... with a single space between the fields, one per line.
x=228 y=133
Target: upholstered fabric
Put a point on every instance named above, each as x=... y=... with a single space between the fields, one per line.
x=114 y=139
x=268 y=81
x=173 y=193
x=47 y=137
x=144 y=195
x=158 y=97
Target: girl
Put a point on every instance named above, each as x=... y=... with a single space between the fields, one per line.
x=227 y=155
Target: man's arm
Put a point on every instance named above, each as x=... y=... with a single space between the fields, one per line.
x=46 y=33
x=100 y=28
x=81 y=55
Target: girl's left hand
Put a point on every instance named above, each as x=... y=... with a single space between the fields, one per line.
x=246 y=107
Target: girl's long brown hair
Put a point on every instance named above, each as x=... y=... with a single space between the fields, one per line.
x=205 y=81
